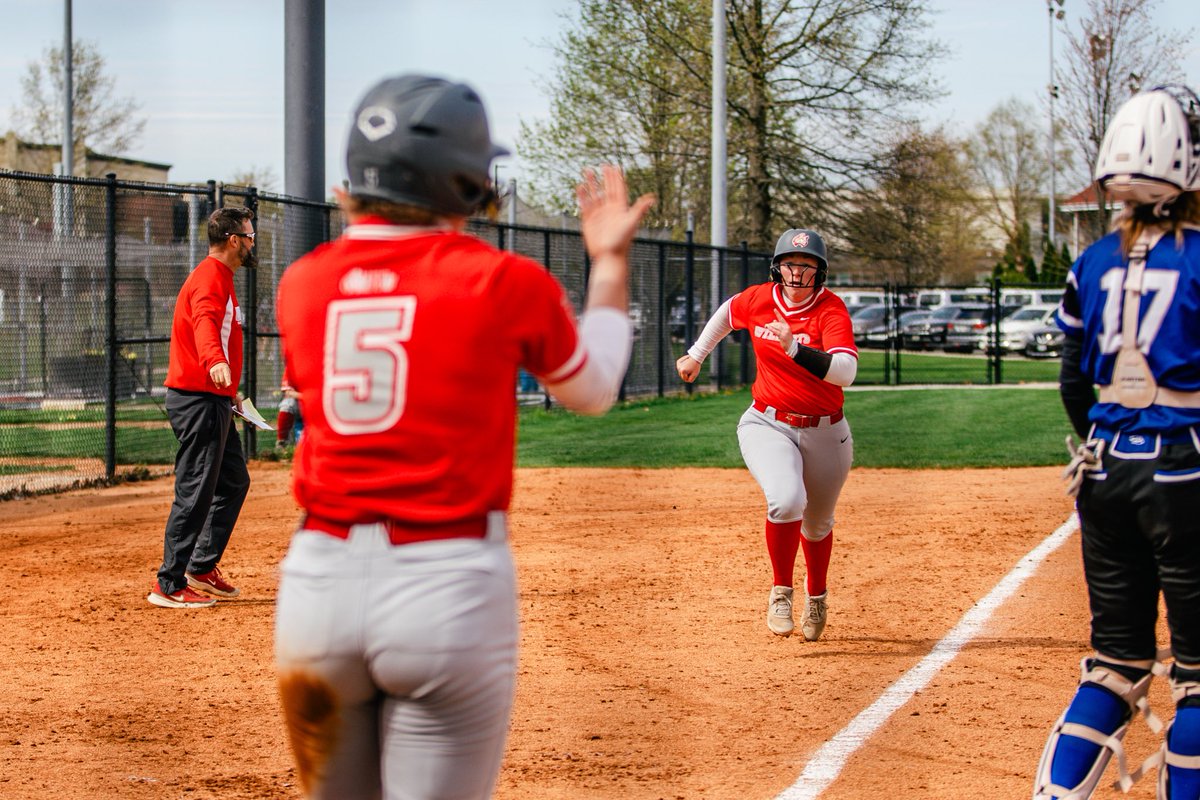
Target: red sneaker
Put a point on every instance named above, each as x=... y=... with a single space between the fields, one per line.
x=185 y=598
x=212 y=583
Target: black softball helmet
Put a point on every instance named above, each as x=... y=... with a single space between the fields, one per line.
x=799 y=240
x=422 y=141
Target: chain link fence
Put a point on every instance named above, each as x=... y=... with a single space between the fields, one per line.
x=90 y=270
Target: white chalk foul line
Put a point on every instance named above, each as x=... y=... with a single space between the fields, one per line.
x=823 y=768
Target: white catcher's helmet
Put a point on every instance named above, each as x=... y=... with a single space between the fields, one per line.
x=1151 y=150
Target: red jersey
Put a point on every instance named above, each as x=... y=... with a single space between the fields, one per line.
x=821 y=322
x=206 y=330
x=405 y=349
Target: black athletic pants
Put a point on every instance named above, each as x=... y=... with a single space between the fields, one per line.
x=1141 y=535
x=211 y=481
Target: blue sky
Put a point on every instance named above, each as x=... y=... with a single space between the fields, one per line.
x=209 y=76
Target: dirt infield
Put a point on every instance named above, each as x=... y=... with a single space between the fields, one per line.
x=647 y=670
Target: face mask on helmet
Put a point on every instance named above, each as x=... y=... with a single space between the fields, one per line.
x=800 y=241
x=422 y=141
x=1151 y=149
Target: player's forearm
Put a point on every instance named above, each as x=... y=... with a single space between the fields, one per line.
x=839 y=369
x=608 y=285
x=1075 y=388
x=607 y=337
x=716 y=329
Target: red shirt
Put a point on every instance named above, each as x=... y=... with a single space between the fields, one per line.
x=405 y=349
x=206 y=330
x=821 y=322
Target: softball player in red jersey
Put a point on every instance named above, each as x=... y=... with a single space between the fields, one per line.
x=794 y=438
x=396 y=626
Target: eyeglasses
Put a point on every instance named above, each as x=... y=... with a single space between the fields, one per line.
x=249 y=235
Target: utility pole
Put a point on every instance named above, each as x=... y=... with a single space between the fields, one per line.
x=68 y=143
x=1055 y=15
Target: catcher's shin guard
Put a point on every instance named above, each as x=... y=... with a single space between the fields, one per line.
x=1110 y=694
x=1179 y=767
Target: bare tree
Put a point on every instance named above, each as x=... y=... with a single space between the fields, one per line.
x=919 y=224
x=262 y=178
x=815 y=88
x=1010 y=165
x=100 y=118
x=1113 y=52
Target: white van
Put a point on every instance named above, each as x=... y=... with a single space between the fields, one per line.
x=1028 y=297
x=936 y=298
x=860 y=298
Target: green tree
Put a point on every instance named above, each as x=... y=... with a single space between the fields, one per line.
x=1055 y=264
x=919 y=224
x=100 y=119
x=1016 y=265
x=813 y=94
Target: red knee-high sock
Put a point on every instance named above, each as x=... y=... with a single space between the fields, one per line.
x=283 y=425
x=816 y=561
x=783 y=540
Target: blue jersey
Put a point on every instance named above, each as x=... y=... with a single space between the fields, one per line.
x=1168 y=325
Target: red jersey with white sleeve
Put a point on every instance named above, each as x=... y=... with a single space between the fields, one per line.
x=405 y=345
x=821 y=322
x=206 y=330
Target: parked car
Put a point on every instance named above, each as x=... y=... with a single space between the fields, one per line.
x=936 y=298
x=972 y=328
x=854 y=297
x=1016 y=327
x=874 y=326
x=1027 y=297
x=1045 y=342
x=907 y=327
x=930 y=333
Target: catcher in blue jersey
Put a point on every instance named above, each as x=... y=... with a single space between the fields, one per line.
x=1131 y=313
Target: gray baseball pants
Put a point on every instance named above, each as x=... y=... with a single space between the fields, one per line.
x=397 y=663
x=801 y=470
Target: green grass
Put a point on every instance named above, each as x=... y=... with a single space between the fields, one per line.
x=134 y=445
x=25 y=469
x=908 y=428
x=919 y=429
x=925 y=368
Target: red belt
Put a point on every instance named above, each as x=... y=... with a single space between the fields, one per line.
x=402 y=532
x=799 y=420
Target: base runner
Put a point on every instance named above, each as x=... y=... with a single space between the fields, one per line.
x=794 y=437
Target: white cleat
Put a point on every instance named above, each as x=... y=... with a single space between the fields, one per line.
x=815 y=611
x=779 y=611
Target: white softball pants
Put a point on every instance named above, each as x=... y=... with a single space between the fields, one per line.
x=396 y=664
x=800 y=470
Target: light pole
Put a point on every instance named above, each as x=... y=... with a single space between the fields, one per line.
x=1054 y=14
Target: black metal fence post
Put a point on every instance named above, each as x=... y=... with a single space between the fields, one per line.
x=664 y=355
x=994 y=336
x=110 y=267
x=250 y=342
x=689 y=292
x=745 y=345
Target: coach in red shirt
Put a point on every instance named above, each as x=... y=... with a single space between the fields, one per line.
x=211 y=479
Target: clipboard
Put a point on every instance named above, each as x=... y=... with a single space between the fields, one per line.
x=249 y=413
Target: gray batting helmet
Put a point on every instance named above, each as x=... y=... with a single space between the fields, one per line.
x=422 y=141
x=799 y=240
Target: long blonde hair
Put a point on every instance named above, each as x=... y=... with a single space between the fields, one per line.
x=1136 y=219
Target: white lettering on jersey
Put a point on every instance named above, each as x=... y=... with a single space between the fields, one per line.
x=766 y=333
x=373 y=281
